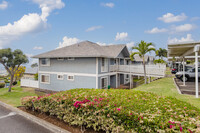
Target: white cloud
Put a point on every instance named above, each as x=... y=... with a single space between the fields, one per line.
x=3 y=5
x=130 y=45
x=30 y=23
x=94 y=28
x=184 y=28
x=38 y=48
x=110 y=5
x=156 y=30
x=188 y=38
x=195 y=18
x=169 y=18
x=68 y=41
x=123 y=36
x=47 y=6
x=31 y=60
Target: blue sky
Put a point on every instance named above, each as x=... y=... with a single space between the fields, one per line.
x=37 y=26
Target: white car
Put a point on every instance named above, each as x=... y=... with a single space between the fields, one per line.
x=189 y=74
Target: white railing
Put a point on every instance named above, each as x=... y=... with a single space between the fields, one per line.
x=29 y=83
x=157 y=70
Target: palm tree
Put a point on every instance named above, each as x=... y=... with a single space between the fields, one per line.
x=142 y=49
x=161 y=53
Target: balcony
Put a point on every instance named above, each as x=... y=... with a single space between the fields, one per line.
x=151 y=70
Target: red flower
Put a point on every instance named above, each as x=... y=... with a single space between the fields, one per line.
x=181 y=129
x=171 y=126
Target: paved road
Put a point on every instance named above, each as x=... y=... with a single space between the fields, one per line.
x=10 y=122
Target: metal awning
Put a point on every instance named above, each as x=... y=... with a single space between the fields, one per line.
x=181 y=50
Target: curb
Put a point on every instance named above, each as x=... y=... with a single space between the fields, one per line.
x=41 y=122
x=178 y=89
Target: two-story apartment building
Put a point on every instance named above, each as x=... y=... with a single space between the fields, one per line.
x=82 y=65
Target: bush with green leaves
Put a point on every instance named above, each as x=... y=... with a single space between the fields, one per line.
x=118 y=110
x=2 y=85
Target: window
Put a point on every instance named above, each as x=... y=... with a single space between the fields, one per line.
x=45 y=62
x=70 y=77
x=60 y=77
x=45 y=79
x=104 y=65
x=104 y=83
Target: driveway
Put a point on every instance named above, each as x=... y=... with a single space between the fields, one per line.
x=11 y=122
x=189 y=87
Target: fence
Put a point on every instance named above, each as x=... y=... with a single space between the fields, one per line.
x=29 y=83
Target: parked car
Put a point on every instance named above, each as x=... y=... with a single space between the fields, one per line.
x=189 y=74
x=174 y=71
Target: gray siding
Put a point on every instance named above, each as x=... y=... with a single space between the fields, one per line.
x=79 y=65
x=60 y=85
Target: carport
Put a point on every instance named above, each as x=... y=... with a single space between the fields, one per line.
x=181 y=50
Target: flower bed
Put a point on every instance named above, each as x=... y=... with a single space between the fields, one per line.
x=118 y=110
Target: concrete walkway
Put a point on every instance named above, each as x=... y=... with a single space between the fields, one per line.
x=11 y=122
x=189 y=87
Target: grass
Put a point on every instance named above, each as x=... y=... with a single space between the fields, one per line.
x=166 y=87
x=14 y=97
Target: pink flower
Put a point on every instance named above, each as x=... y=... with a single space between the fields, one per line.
x=181 y=129
x=131 y=114
x=185 y=107
x=95 y=100
x=189 y=130
x=100 y=99
x=171 y=126
x=118 y=109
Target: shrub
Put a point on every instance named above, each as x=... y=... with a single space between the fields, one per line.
x=36 y=76
x=15 y=82
x=2 y=85
x=118 y=110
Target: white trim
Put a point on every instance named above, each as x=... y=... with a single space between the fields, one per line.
x=70 y=79
x=105 y=65
x=60 y=75
x=106 y=77
x=97 y=66
x=41 y=78
x=68 y=73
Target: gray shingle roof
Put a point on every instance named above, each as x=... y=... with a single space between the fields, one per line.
x=84 y=49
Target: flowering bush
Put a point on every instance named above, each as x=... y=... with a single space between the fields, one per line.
x=118 y=110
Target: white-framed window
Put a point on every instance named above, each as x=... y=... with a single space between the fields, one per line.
x=60 y=76
x=70 y=58
x=45 y=62
x=70 y=77
x=104 y=65
x=104 y=82
x=45 y=78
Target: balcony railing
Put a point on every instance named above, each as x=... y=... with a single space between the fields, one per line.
x=151 y=70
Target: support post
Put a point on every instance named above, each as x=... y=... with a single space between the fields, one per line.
x=149 y=79
x=130 y=76
x=183 y=71
x=116 y=80
x=196 y=74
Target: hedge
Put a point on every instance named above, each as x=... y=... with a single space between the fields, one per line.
x=2 y=85
x=118 y=110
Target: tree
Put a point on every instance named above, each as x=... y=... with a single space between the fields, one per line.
x=19 y=73
x=142 y=49
x=12 y=61
x=161 y=53
x=34 y=65
x=159 y=61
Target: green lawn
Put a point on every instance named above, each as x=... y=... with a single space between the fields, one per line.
x=166 y=87
x=14 y=98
